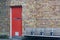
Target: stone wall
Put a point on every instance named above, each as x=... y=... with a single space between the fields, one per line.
x=40 y=13
x=36 y=13
x=4 y=17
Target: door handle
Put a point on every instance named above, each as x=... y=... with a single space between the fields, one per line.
x=17 y=18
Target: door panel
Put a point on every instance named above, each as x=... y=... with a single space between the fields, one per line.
x=16 y=21
x=17 y=12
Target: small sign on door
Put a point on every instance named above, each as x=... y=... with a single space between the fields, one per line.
x=16 y=33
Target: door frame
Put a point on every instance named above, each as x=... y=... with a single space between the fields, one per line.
x=11 y=19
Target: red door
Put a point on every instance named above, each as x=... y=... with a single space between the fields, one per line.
x=17 y=21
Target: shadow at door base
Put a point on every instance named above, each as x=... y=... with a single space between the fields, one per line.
x=40 y=38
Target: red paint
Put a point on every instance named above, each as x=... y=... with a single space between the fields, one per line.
x=16 y=20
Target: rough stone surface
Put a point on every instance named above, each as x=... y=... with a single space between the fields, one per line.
x=42 y=13
x=4 y=17
x=36 y=13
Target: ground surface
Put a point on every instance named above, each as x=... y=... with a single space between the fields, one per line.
x=35 y=38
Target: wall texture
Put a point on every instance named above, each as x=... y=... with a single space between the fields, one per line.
x=40 y=13
x=36 y=13
x=4 y=17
